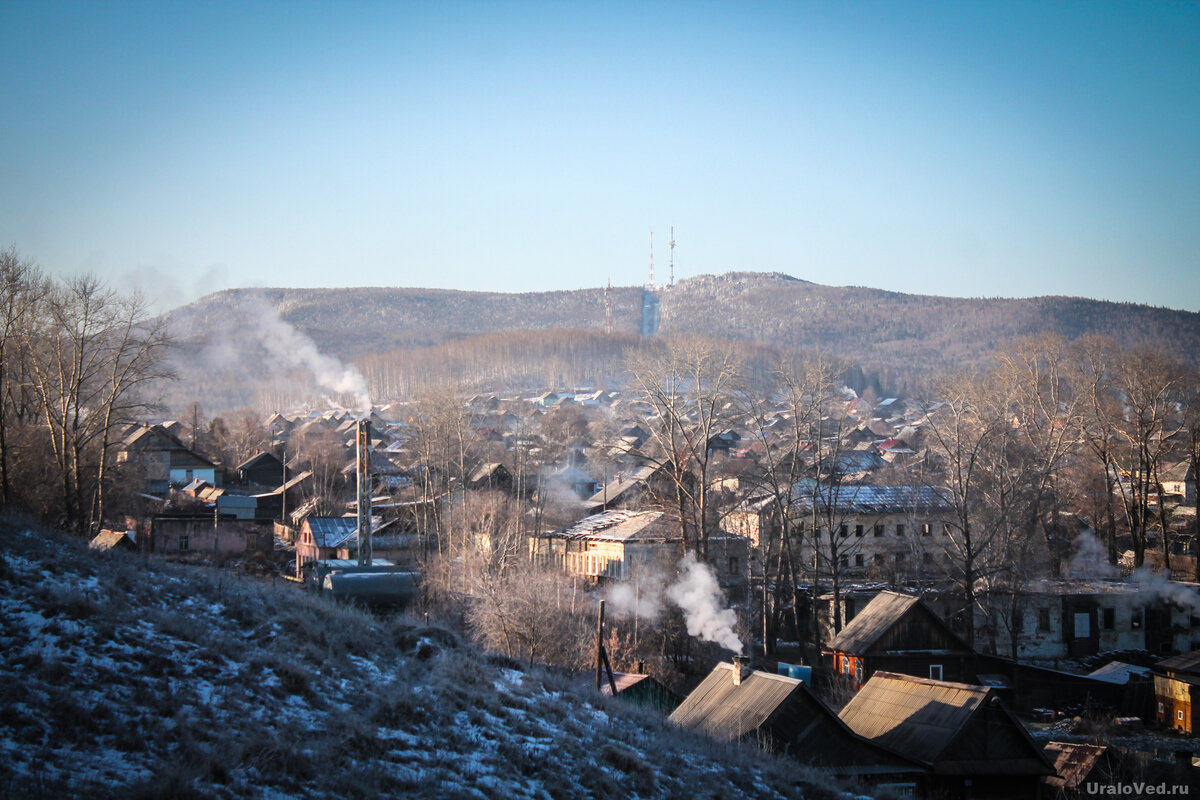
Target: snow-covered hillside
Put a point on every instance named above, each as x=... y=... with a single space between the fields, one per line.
x=123 y=676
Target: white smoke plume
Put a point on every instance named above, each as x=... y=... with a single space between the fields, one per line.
x=291 y=348
x=643 y=598
x=698 y=595
x=1090 y=559
x=1160 y=586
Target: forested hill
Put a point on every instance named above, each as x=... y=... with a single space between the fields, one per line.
x=876 y=328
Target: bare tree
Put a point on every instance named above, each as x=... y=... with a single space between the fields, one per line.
x=689 y=385
x=21 y=286
x=93 y=354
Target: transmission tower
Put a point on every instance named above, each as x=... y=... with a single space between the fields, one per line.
x=650 y=284
x=608 y=308
x=672 y=246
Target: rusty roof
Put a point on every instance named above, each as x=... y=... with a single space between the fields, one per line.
x=1072 y=762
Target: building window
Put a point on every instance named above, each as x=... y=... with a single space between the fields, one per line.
x=183 y=542
x=927 y=558
x=1043 y=619
x=858 y=560
x=900 y=529
x=1162 y=708
x=1135 y=619
x=1109 y=619
x=844 y=531
x=935 y=672
x=858 y=531
x=926 y=529
x=899 y=558
x=879 y=530
x=1179 y=715
x=733 y=565
x=843 y=561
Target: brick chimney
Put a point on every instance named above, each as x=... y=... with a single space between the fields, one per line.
x=741 y=669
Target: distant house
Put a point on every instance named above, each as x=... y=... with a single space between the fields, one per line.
x=641 y=690
x=1176 y=690
x=164 y=460
x=1180 y=482
x=114 y=540
x=196 y=538
x=625 y=491
x=494 y=476
x=899 y=633
x=262 y=469
x=320 y=537
x=611 y=545
x=969 y=743
x=783 y=716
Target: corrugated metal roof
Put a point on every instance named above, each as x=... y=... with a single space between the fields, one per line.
x=727 y=712
x=914 y=716
x=332 y=531
x=884 y=611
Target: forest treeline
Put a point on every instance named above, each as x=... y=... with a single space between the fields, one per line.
x=895 y=342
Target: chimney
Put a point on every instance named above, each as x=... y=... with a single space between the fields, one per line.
x=741 y=669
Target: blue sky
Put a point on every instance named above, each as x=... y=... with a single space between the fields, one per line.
x=969 y=149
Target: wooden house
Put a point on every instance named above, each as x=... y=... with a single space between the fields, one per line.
x=263 y=469
x=898 y=633
x=114 y=540
x=1176 y=690
x=494 y=476
x=641 y=690
x=782 y=715
x=164 y=461
x=969 y=743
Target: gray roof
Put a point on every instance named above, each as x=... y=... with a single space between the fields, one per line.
x=332 y=531
x=727 y=712
x=1187 y=662
x=884 y=611
x=917 y=717
x=620 y=525
x=857 y=499
x=928 y=721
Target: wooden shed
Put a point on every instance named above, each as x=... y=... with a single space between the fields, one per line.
x=1176 y=683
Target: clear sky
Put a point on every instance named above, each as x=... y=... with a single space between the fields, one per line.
x=961 y=148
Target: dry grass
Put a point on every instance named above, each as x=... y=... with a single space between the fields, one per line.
x=126 y=676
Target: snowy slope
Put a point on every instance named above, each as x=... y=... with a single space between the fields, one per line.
x=128 y=677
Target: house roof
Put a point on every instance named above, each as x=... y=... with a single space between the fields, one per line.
x=260 y=460
x=858 y=499
x=727 y=712
x=1187 y=662
x=614 y=489
x=108 y=540
x=1072 y=762
x=1119 y=672
x=768 y=706
x=619 y=525
x=956 y=728
x=331 y=531
x=885 y=611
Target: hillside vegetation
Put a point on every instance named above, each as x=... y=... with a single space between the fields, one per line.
x=897 y=339
x=133 y=678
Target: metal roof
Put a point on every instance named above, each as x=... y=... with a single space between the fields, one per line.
x=858 y=499
x=727 y=712
x=619 y=525
x=914 y=716
x=1187 y=662
x=332 y=531
x=1072 y=762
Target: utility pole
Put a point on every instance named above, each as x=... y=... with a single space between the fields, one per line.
x=364 y=492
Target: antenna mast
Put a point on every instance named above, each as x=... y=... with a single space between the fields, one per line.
x=672 y=246
x=650 y=284
x=608 y=308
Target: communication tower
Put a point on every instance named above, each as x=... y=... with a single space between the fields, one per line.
x=608 y=308
x=672 y=246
